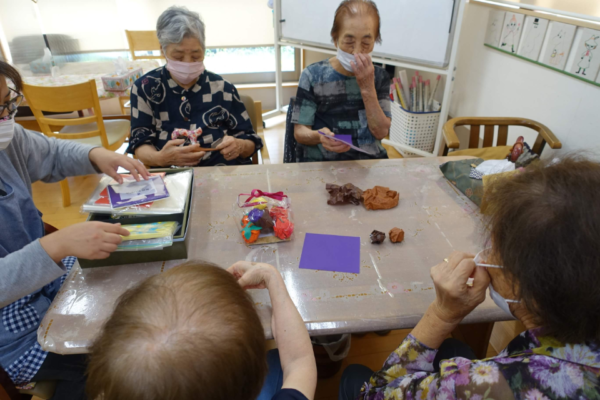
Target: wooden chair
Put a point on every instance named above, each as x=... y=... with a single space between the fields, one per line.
x=92 y=130
x=143 y=41
x=140 y=41
x=545 y=136
x=254 y=109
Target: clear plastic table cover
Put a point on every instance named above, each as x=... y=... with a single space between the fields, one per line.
x=392 y=291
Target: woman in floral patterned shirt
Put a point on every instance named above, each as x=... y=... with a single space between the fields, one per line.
x=545 y=225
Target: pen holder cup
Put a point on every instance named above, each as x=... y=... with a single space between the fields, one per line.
x=414 y=129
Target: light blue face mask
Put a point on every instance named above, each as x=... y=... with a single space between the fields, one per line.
x=345 y=59
x=498 y=299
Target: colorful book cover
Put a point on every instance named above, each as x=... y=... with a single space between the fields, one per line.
x=153 y=230
x=103 y=200
x=132 y=192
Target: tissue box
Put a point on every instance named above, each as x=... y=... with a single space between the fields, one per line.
x=120 y=83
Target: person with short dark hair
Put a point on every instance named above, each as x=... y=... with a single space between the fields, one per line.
x=33 y=264
x=193 y=333
x=543 y=268
x=346 y=94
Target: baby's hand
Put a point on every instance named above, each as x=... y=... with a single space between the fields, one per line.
x=252 y=275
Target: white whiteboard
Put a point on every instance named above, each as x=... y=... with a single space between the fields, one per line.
x=417 y=31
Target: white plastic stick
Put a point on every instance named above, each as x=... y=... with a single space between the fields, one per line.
x=407 y=148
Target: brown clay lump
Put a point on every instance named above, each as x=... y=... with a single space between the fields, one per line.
x=377 y=237
x=346 y=194
x=380 y=198
x=396 y=235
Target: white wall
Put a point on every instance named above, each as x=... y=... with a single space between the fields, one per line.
x=490 y=83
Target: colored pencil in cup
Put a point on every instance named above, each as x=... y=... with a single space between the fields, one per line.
x=433 y=93
x=421 y=102
x=399 y=91
x=427 y=83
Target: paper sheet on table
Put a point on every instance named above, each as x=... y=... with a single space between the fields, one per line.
x=346 y=139
x=331 y=253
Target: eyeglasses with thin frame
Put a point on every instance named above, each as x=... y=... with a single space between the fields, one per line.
x=13 y=103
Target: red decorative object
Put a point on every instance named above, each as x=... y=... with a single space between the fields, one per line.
x=283 y=228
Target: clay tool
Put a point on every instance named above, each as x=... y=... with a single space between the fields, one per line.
x=433 y=93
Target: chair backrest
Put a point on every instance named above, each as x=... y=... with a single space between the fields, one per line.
x=545 y=135
x=249 y=104
x=66 y=99
x=143 y=41
x=290 y=144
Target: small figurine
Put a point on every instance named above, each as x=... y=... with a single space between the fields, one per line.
x=517 y=149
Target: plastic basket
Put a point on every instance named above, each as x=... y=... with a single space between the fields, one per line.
x=414 y=129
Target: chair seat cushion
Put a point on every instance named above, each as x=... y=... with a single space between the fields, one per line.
x=486 y=153
x=116 y=129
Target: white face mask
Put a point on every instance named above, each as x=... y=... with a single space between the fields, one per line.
x=7 y=131
x=498 y=299
x=345 y=59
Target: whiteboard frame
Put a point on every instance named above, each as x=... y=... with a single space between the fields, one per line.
x=448 y=72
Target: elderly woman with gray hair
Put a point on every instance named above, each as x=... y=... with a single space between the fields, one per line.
x=183 y=95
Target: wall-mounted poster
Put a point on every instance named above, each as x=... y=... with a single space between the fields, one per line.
x=532 y=39
x=511 y=32
x=494 y=29
x=557 y=44
x=584 y=60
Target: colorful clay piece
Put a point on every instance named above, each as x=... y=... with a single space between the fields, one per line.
x=190 y=136
x=250 y=233
x=377 y=237
x=255 y=214
x=278 y=212
x=283 y=228
x=259 y=206
x=245 y=220
x=265 y=222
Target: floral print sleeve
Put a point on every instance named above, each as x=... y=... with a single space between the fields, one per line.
x=532 y=367
x=408 y=374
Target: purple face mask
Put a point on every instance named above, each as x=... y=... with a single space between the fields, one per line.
x=185 y=72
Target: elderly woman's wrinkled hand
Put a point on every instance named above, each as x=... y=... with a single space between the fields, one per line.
x=231 y=148
x=332 y=145
x=187 y=156
x=454 y=298
x=364 y=70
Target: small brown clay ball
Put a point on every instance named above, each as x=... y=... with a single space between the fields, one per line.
x=377 y=237
x=396 y=235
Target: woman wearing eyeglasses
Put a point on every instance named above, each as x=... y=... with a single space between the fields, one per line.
x=34 y=265
x=543 y=269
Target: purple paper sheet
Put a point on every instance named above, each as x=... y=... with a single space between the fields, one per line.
x=347 y=139
x=331 y=253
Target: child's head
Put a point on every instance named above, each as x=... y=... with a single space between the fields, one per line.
x=189 y=333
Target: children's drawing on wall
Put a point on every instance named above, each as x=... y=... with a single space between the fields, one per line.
x=557 y=44
x=584 y=60
x=588 y=54
x=511 y=32
x=494 y=30
x=534 y=31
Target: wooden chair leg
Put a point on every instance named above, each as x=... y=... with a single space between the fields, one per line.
x=66 y=193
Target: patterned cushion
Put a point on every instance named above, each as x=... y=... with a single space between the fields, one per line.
x=457 y=172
